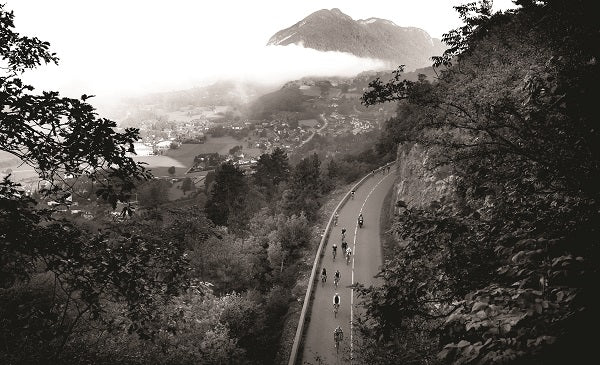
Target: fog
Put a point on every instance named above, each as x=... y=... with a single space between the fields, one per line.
x=266 y=65
x=118 y=48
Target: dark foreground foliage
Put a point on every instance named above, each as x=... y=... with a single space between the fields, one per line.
x=504 y=270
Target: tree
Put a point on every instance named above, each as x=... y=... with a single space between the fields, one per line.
x=226 y=205
x=304 y=188
x=512 y=117
x=82 y=270
x=270 y=170
x=153 y=193
x=56 y=135
x=187 y=185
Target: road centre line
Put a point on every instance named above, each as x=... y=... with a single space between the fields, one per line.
x=353 y=256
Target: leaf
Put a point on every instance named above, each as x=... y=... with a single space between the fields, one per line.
x=463 y=343
x=478 y=306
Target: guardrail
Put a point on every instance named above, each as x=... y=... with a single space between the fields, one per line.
x=311 y=281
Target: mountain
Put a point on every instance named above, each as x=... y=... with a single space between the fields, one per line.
x=332 y=30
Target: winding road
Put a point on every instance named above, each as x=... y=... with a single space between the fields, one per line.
x=318 y=342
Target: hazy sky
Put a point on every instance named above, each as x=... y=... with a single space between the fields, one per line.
x=116 y=47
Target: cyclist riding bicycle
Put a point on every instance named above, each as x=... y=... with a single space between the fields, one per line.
x=360 y=220
x=352 y=194
x=348 y=254
x=335 y=218
x=324 y=275
x=338 y=336
x=336 y=304
x=334 y=248
x=336 y=277
x=344 y=246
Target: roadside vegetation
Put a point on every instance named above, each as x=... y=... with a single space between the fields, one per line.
x=504 y=269
x=204 y=280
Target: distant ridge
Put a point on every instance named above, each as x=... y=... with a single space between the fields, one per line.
x=332 y=30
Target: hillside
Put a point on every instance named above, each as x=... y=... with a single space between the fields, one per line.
x=332 y=30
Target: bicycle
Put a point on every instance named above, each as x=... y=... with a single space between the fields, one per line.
x=337 y=344
x=338 y=336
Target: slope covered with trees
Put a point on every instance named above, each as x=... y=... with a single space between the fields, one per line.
x=204 y=282
x=502 y=270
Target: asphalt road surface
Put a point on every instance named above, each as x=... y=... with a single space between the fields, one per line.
x=319 y=346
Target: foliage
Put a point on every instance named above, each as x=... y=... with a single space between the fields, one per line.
x=187 y=185
x=502 y=271
x=226 y=205
x=59 y=136
x=304 y=189
x=271 y=170
x=153 y=193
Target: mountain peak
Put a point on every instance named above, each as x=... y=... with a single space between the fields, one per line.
x=332 y=30
x=333 y=13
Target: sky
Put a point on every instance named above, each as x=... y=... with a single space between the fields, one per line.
x=115 y=48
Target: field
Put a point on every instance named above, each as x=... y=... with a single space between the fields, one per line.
x=183 y=157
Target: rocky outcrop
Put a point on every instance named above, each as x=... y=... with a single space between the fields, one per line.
x=416 y=185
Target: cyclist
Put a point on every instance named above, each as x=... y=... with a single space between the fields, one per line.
x=335 y=219
x=344 y=245
x=348 y=254
x=338 y=336
x=336 y=303
x=343 y=232
x=334 y=248
x=360 y=220
x=336 y=277
x=352 y=194
x=324 y=275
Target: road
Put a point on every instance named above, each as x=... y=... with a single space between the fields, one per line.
x=325 y=121
x=318 y=343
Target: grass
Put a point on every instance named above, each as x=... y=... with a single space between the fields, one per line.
x=183 y=157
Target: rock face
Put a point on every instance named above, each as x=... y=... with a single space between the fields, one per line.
x=332 y=30
x=415 y=185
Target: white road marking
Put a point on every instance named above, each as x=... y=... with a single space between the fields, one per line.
x=353 y=256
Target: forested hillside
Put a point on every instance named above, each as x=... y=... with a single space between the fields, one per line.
x=502 y=267
x=211 y=279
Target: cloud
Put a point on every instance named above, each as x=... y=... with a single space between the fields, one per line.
x=167 y=71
